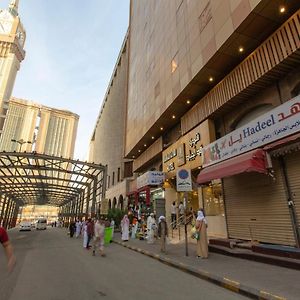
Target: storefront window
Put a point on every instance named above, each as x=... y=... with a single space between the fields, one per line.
x=192 y=200
x=213 y=200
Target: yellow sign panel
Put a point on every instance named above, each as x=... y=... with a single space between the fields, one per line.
x=187 y=151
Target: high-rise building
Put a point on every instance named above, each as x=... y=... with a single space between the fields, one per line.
x=12 y=39
x=33 y=127
x=107 y=142
x=214 y=89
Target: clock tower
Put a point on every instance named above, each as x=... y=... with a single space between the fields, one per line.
x=12 y=39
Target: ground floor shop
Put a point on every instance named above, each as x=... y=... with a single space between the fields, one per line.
x=260 y=185
x=209 y=198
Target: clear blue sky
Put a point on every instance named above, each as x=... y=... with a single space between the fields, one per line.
x=71 y=49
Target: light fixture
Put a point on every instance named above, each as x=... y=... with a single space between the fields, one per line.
x=145 y=145
x=152 y=137
x=133 y=156
x=139 y=150
x=173 y=117
x=241 y=49
x=211 y=79
x=282 y=9
x=188 y=101
x=161 y=128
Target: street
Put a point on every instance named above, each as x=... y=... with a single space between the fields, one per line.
x=52 y=266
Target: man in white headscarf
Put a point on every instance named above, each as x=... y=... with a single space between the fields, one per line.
x=78 y=228
x=151 y=227
x=201 y=226
x=162 y=232
x=98 y=239
x=125 y=228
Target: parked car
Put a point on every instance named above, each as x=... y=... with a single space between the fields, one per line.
x=25 y=226
x=41 y=224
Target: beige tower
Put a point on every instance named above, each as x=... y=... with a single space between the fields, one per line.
x=12 y=39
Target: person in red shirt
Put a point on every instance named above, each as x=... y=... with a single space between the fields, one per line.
x=11 y=260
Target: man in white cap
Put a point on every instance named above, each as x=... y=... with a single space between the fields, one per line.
x=151 y=227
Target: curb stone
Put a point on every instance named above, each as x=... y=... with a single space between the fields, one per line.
x=224 y=282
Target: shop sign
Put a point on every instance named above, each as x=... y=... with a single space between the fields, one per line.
x=186 y=152
x=194 y=151
x=184 y=180
x=180 y=155
x=170 y=155
x=171 y=167
x=278 y=123
x=150 y=178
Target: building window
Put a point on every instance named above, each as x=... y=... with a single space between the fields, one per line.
x=119 y=173
x=128 y=169
x=113 y=179
x=108 y=182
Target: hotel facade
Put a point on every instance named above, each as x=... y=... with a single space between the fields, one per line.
x=210 y=86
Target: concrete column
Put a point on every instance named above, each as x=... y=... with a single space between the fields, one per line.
x=3 y=208
x=6 y=216
x=15 y=215
x=11 y=214
x=88 y=200
x=93 y=211
x=81 y=203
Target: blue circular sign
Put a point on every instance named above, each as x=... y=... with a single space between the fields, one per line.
x=183 y=174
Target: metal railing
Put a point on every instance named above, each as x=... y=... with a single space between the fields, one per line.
x=179 y=224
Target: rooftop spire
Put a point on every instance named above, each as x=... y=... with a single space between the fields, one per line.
x=13 y=7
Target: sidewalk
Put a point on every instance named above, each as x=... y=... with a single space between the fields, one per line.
x=253 y=279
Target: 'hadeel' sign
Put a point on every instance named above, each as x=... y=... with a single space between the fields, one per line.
x=271 y=126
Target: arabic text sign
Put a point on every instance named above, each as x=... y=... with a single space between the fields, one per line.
x=271 y=126
x=150 y=178
x=184 y=180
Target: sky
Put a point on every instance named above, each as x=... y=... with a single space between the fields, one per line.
x=71 y=49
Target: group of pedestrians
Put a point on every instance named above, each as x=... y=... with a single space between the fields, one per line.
x=153 y=229
x=161 y=230
x=93 y=232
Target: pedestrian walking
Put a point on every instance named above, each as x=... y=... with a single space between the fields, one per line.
x=8 y=249
x=98 y=239
x=84 y=233
x=151 y=228
x=125 y=228
x=112 y=225
x=162 y=233
x=72 y=228
x=78 y=228
x=201 y=227
x=173 y=215
x=90 y=232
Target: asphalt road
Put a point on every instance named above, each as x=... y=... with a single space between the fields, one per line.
x=52 y=266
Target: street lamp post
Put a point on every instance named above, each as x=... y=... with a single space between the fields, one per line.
x=21 y=142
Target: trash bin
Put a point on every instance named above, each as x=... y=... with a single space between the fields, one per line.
x=108 y=235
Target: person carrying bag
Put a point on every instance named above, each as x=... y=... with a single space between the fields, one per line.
x=201 y=235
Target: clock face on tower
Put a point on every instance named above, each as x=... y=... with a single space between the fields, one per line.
x=6 y=21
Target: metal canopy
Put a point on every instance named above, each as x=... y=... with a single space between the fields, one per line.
x=37 y=179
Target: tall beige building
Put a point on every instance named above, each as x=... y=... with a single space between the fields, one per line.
x=214 y=88
x=12 y=39
x=39 y=128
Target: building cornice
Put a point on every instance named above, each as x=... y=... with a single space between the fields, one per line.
x=8 y=46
